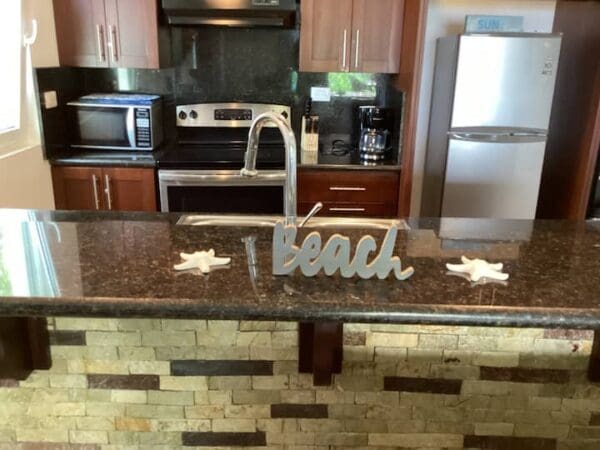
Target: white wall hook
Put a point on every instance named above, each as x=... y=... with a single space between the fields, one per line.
x=29 y=40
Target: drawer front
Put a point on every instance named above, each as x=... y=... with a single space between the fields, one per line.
x=332 y=209
x=348 y=187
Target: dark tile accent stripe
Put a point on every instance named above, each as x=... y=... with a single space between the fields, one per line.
x=508 y=443
x=223 y=368
x=67 y=337
x=8 y=383
x=522 y=375
x=595 y=419
x=194 y=439
x=297 y=411
x=135 y=382
x=569 y=335
x=426 y=385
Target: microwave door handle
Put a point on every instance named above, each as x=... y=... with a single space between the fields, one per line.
x=131 y=127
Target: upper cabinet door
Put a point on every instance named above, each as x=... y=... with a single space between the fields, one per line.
x=326 y=35
x=377 y=35
x=132 y=33
x=81 y=33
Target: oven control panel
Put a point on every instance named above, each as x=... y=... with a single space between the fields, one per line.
x=227 y=115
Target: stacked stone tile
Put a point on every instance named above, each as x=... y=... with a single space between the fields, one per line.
x=137 y=384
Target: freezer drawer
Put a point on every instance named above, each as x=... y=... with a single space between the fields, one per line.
x=505 y=81
x=495 y=180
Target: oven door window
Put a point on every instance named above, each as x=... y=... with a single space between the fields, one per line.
x=104 y=126
x=226 y=199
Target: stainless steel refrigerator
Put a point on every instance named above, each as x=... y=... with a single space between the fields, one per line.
x=491 y=105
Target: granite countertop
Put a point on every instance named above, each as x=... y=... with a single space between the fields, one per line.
x=349 y=161
x=103 y=264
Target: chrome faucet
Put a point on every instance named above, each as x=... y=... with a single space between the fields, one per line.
x=249 y=170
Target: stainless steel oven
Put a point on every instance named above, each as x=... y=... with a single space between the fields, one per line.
x=202 y=172
x=116 y=122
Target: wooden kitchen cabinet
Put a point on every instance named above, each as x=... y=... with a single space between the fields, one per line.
x=349 y=192
x=107 y=33
x=94 y=188
x=351 y=35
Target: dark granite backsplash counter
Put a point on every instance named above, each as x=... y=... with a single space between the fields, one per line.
x=91 y=264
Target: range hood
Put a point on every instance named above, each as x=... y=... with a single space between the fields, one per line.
x=231 y=13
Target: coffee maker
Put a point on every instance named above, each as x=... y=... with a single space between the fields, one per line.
x=375 y=136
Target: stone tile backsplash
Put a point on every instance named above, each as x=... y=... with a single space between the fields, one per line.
x=150 y=383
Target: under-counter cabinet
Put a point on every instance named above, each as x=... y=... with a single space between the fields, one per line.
x=351 y=35
x=107 y=33
x=96 y=188
x=349 y=192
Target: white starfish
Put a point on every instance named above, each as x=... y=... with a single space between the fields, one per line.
x=478 y=268
x=201 y=260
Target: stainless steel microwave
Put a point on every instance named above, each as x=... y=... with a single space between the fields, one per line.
x=117 y=122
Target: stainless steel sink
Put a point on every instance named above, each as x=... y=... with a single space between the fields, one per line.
x=269 y=221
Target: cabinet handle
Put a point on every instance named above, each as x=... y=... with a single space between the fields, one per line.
x=114 y=43
x=101 y=47
x=107 y=191
x=95 y=186
x=347 y=209
x=347 y=188
x=344 y=68
x=357 y=55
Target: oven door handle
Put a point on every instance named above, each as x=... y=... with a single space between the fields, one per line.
x=220 y=178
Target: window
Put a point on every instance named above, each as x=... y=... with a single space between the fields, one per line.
x=11 y=73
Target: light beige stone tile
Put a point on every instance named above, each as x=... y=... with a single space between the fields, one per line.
x=298 y=438
x=481 y=387
x=49 y=396
x=347 y=411
x=112 y=367
x=173 y=353
x=205 y=412
x=154 y=411
x=494 y=429
x=114 y=338
x=95 y=423
x=256 y=397
x=123 y=438
x=224 y=326
x=274 y=354
x=284 y=339
x=236 y=353
x=416 y=440
x=181 y=425
x=359 y=353
x=527 y=416
x=128 y=396
x=458 y=357
x=253 y=338
x=88 y=437
x=165 y=438
x=7 y=436
x=234 y=425
x=541 y=430
x=344 y=439
x=580 y=404
x=438 y=341
x=358 y=383
x=67 y=381
x=168 y=383
x=214 y=337
x=477 y=343
x=138 y=324
x=136 y=353
x=102 y=409
x=46 y=435
x=85 y=324
x=168 y=338
x=465 y=428
x=35 y=380
x=285 y=368
x=514 y=344
x=215 y=397
x=183 y=325
x=375 y=339
x=452 y=371
x=321 y=425
x=394 y=354
x=15 y=395
x=365 y=426
x=496 y=359
x=545 y=403
x=248 y=411
x=84 y=352
x=271 y=382
x=230 y=383
x=150 y=367
x=390 y=399
x=66 y=409
x=170 y=398
x=303 y=397
x=89 y=395
x=334 y=397
x=424 y=355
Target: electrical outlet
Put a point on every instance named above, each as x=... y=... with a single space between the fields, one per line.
x=50 y=100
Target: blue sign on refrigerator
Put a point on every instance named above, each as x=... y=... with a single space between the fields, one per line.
x=493 y=24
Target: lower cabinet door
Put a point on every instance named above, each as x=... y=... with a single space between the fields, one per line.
x=77 y=188
x=127 y=189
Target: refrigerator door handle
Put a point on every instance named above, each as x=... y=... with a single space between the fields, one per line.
x=503 y=138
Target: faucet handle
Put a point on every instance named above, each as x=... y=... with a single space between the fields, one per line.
x=315 y=209
x=248 y=172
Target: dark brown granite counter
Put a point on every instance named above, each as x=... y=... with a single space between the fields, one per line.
x=89 y=264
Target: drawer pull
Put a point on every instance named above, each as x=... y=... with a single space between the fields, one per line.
x=347 y=209
x=347 y=188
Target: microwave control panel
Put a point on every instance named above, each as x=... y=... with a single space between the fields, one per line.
x=143 y=133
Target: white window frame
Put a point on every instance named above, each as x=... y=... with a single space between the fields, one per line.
x=25 y=135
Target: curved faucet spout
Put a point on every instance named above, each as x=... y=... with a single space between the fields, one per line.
x=289 y=138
